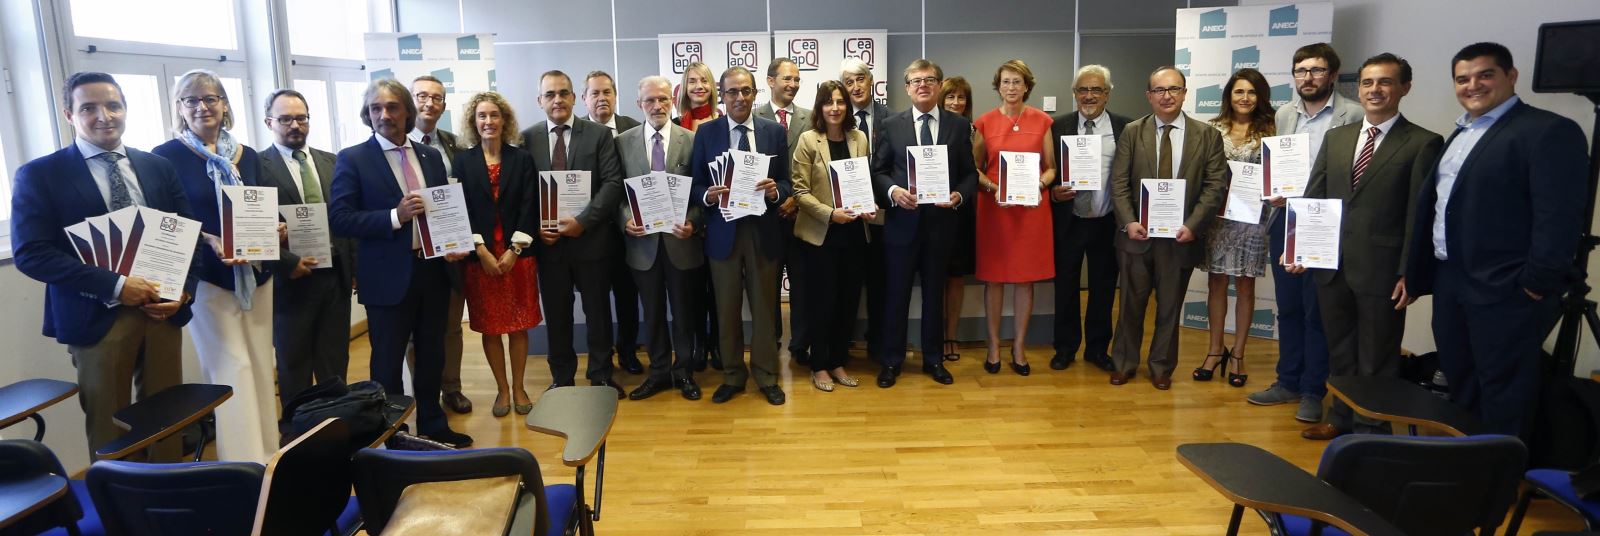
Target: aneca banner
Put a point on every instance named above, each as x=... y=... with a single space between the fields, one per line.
x=463 y=62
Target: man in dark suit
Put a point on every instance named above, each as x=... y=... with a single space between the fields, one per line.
x=430 y=95
x=581 y=253
x=916 y=236
x=311 y=307
x=744 y=252
x=117 y=329
x=600 y=97
x=1085 y=227
x=1497 y=225
x=1165 y=144
x=783 y=81
x=857 y=79
x=666 y=268
x=375 y=200
x=1376 y=168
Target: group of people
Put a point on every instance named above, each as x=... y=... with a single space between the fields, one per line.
x=1486 y=221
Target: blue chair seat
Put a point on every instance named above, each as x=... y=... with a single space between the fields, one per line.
x=558 y=501
x=349 y=520
x=1300 y=526
x=1557 y=484
x=90 y=524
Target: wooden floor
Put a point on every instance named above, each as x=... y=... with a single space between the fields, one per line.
x=1057 y=452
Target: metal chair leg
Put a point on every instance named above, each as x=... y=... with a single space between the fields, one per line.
x=1233 y=521
x=599 y=480
x=1520 y=510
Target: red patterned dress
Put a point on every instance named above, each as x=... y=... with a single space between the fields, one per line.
x=506 y=303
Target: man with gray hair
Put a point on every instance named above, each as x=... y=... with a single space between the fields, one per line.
x=856 y=76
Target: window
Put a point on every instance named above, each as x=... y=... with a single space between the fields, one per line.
x=152 y=21
x=348 y=105
x=145 y=122
x=322 y=123
x=323 y=29
x=5 y=184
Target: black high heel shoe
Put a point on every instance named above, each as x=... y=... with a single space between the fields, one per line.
x=1022 y=369
x=1203 y=374
x=949 y=355
x=1237 y=380
x=992 y=367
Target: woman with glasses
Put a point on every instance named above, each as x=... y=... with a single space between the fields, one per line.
x=1015 y=244
x=1236 y=249
x=232 y=326
x=956 y=96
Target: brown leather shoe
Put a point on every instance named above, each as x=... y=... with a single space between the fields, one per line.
x=1118 y=378
x=1163 y=383
x=1321 y=432
x=457 y=402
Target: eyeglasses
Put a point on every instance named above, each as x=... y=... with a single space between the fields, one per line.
x=287 y=120
x=194 y=102
x=1013 y=82
x=1173 y=91
x=423 y=98
x=740 y=91
x=565 y=94
x=1096 y=91
x=924 y=81
x=1314 y=72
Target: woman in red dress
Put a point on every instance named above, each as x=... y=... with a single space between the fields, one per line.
x=1014 y=241
x=497 y=180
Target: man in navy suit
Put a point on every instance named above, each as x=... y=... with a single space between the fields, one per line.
x=118 y=330
x=744 y=252
x=916 y=236
x=375 y=200
x=856 y=76
x=1499 y=220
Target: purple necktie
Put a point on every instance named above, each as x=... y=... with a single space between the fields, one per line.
x=658 y=155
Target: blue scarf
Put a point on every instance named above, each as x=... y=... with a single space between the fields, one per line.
x=219 y=166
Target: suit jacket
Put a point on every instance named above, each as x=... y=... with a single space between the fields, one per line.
x=772 y=140
x=879 y=113
x=641 y=252
x=900 y=131
x=799 y=123
x=624 y=123
x=515 y=209
x=1377 y=222
x=57 y=190
x=275 y=172
x=365 y=190
x=1515 y=212
x=202 y=194
x=1345 y=111
x=1067 y=125
x=591 y=148
x=813 y=184
x=1203 y=169
x=448 y=140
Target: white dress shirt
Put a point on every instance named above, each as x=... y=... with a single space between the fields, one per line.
x=437 y=143
x=1177 y=143
x=916 y=129
x=294 y=168
x=101 y=171
x=566 y=137
x=1090 y=203
x=666 y=140
x=612 y=124
x=1361 y=138
x=393 y=157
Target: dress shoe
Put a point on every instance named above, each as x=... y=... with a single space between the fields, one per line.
x=1022 y=369
x=1321 y=432
x=887 y=376
x=457 y=402
x=1163 y=383
x=559 y=384
x=992 y=367
x=1118 y=378
x=649 y=388
x=629 y=361
x=774 y=395
x=824 y=385
x=939 y=374
x=500 y=410
x=608 y=382
x=1100 y=360
x=847 y=381
x=450 y=438
x=1273 y=395
x=725 y=393
x=523 y=409
x=1062 y=361
x=1310 y=410
x=688 y=388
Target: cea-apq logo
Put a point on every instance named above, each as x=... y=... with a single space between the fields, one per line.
x=742 y=54
x=862 y=48
x=1214 y=24
x=806 y=54
x=685 y=53
x=1283 y=21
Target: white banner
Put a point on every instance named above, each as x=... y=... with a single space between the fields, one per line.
x=719 y=51
x=817 y=53
x=463 y=62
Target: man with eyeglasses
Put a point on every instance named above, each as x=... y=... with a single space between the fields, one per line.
x=581 y=253
x=311 y=306
x=1302 y=343
x=430 y=95
x=783 y=81
x=1167 y=144
x=1085 y=227
x=856 y=76
x=744 y=252
x=600 y=97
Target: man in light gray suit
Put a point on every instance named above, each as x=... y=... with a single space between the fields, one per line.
x=665 y=267
x=783 y=79
x=311 y=309
x=1376 y=166
x=1166 y=144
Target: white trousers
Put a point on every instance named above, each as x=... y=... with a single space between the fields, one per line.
x=235 y=349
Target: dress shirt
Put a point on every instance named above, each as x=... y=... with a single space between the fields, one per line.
x=612 y=124
x=566 y=137
x=916 y=129
x=1468 y=131
x=437 y=143
x=733 y=143
x=294 y=167
x=1316 y=124
x=1090 y=203
x=1177 y=143
x=650 y=132
x=399 y=175
x=102 y=182
x=1361 y=138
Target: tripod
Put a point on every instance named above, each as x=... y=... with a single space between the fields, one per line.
x=1577 y=308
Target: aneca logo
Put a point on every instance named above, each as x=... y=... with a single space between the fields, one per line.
x=1214 y=24
x=410 y=48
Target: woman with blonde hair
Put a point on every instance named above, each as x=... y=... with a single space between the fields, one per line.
x=697 y=96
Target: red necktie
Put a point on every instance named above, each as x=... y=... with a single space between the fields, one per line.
x=783 y=117
x=1366 y=156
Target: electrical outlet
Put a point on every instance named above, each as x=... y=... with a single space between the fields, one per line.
x=1049 y=104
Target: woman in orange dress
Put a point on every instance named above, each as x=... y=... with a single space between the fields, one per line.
x=1014 y=241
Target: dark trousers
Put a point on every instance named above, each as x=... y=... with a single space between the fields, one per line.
x=1159 y=270
x=661 y=288
x=877 y=283
x=747 y=273
x=800 y=293
x=419 y=318
x=1364 y=334
x=558 y=279
x=1490 y=352
x=1302 y=345
x=1092 y=238
x=706 y=339
x=625 y=303
x=927 y=259
x=311 y=330
x=834 y=296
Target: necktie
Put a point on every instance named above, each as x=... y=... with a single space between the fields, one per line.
x=744 y=137
x=658 y=154
x=1164 y=162
x=120 y=196
x=426 y=139
x=1366 y=156
x=1088 y=127
x=861 y=123
x=1083 y=205
x=783 y=117
x=412 y=185
x=927 y=129
x=308 y=179
x=558 y=158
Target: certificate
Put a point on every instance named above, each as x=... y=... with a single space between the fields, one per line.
x=1085 y=165
x=127 y=230
x=250 y=223
x=650 y=203
x=308 y=232
x=851 y=181
x=744 y=170
x=678 y=187
x=82 y=243
x=563 y=194
x=928 y=167
x=1311 y=232
x=443 y=225
x=1244 y=193
x=1286 y=164
x=1019 y=179
x=165 y=248
x=1161 y=206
